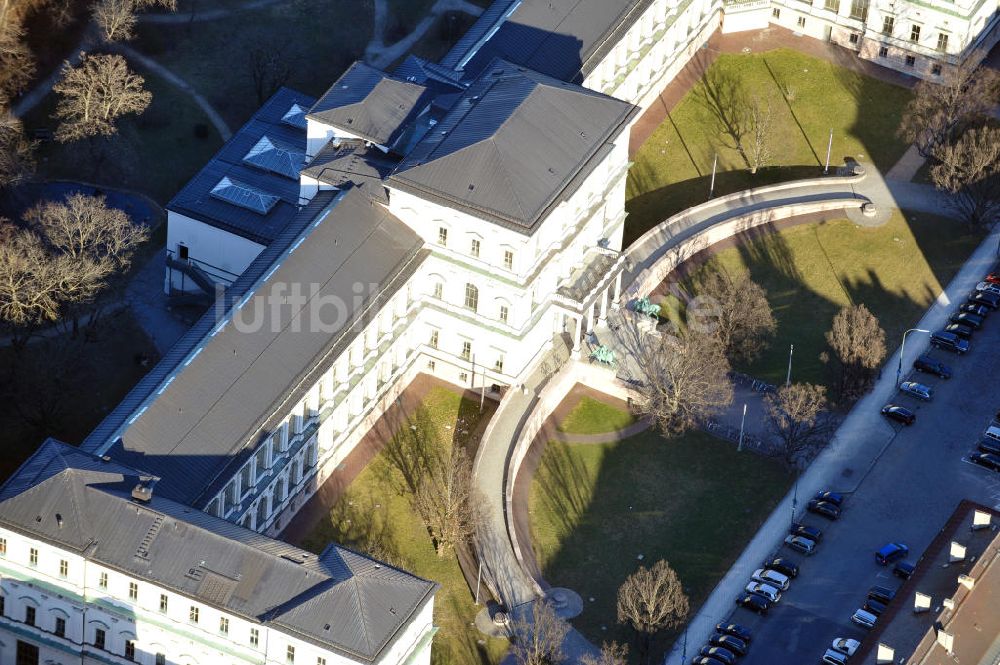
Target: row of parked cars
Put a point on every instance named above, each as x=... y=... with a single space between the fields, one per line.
x=955 y=337
x=729 y=642
x=987 y=453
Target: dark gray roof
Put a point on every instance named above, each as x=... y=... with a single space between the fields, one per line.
x=352 y=161
x=566 y=39
x=269 y=167
x=369 y=103
x=513 y=145
x=243 y=375
x=339 y=600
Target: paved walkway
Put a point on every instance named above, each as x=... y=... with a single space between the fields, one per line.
x=907 y=166
x=209 y=15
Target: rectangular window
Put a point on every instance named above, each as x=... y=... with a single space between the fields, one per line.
x=463 y=377
x=471 y=297
x=915 y=33
x=854 y=38
x=290 y=655
x=859 y=9
x=163 y=602
x=910 y=61
x=254 y=637
x=29 y=615
x=3 y=547
x=229 y=498
x=161 y=659
x=474 y=250
x=60 y=627
x=193 y=614
x=883 y=51
x=801 y=22
x=508 y=259
x=503 y=313
x=942 y=44
x=439 y=291
x=33 y=556
x=261 y=460
x=130 y=650
x=888 y=23
x=936 y=70
x=320 y=660
x=776 y=13
x=99 y=638
x=443 y=236
x=246 y=482
x=498 y=366
x=63 y=567
x=224 y=625
x=3 y=607
x=133 y=591
x=433 y=342
x=832 y=5
x=466 y=350
x=102 y=580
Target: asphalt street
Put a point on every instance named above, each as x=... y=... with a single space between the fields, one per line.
x=906 y=496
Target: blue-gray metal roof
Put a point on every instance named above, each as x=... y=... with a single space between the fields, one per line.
x=339 y=600
x=269 y=171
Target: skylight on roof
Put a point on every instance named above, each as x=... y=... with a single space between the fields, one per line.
x=243 y=195
x=295 y=116
x=276 y=157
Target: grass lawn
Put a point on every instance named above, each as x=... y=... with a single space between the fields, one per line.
x=693 y=501
x=375 y=515
x=806 y=96
x=591 y=416
x=76 y=382
x=812 y=270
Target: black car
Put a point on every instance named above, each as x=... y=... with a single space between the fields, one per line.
x=949 y=342
x=721 y=654
x=891 y=552
x=989 y=446
x=783 y=565
x=873 y=606
x=881 y=594
x=957 y=329
x=754 y=602
x=903 y=569
x=986 y=460
x=810 y=532
x=899 y=414
x=928 y=365
x=824 y=508
x=990 y=300
x=835 y=498
x=730 y=642
x=736 y=630
x=972 y=308
x=967 y=319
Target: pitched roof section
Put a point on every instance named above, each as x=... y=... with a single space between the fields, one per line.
x=341 y=164
x=513 y=145
x=566 y=39
x=369 y=103
x=339 y=600
x=282 y=337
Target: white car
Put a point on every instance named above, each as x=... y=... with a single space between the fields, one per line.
x=765 y=590
x=832 y=657
x=988 y=287
x=845 y=645
x=864 y=619
x=772 y=577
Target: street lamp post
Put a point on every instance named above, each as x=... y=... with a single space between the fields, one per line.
x=788 y=376
x=902 y=348
x=742 y=423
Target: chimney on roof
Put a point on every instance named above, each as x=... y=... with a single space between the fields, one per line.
x=143 y=491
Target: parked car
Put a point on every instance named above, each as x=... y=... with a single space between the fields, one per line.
x=918 y=390
x=899 y=414
x=754 y=603
x=891 y=552
x=845 y=645
x=949 y=341
x=864 y=619
x=992 y=432
x=783 y=565
x=928 y=365
x=972 y=308
x=989 y=446
x=766 y=590
x=986 y=460
x=882 y=594
x=967 y=319
x=736 y=630
x=835 y=498
x=828 y=510
x=903 y=569
x=990 y=300
x=832 y=657
x=772 y=577
x=801 y=545
x=957 y=329
x=874 y=607
x=731 y=642
x=721 y=654
x=988 y=287
x=810 y=532
x=705 y=660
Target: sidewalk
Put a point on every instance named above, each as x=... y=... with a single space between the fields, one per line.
x=846 y=450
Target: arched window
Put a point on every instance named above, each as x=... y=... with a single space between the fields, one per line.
x=471 y=297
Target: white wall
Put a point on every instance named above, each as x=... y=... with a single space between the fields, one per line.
x=223 y=255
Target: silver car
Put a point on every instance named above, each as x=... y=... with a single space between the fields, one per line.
x=845 y=645
x=772 y=577
x=832 y=657
x=765 y=590
x=801 y=544
x=864 y=619
x=918 y=390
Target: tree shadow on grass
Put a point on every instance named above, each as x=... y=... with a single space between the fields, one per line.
x=563 y=480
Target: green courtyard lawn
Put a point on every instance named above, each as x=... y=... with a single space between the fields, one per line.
x=812 y=270
x=375 y=515
x=591 y=416
x=692 y=500
x=807 y=97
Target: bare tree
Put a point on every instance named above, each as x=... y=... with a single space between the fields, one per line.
x=797 y=416
x=941 y=110
x=268 y=70
x=17 y=65
x=93 y=95
x=538 y=637
x=612 y=653
x=117 y=18
x=448 y=501
x=684 y=377
x=758 y=148
x=651 y=600
x=969 y=171
x=16 y=151
x=858 y=342
x=744 y=322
